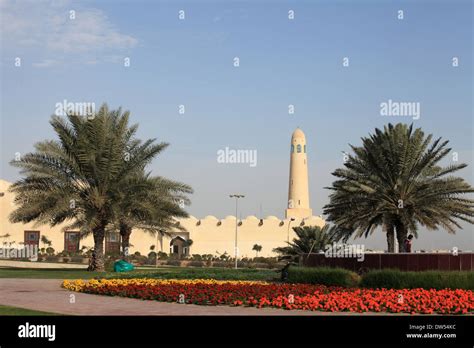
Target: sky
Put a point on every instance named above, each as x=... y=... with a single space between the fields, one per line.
x=80 y=56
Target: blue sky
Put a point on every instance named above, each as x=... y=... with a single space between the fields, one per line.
x=282 y=62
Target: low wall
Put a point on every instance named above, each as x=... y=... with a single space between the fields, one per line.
x=405 y=262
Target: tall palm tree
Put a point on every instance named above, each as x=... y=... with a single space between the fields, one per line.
x=394 y=180
x=309 y=239
x=150 y=204
x=77 y=178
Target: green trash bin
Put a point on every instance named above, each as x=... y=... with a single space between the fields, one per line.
x=123 y=266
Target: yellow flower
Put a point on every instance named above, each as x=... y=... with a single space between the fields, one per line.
x=80 y=285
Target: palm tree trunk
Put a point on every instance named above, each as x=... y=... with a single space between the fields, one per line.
x=401 y=236
x=98 y=263
x=125 y=232
x=389 y=230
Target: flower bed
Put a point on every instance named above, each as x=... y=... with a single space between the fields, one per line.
x=286 y=296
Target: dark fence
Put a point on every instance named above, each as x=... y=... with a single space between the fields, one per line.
x=404 y=262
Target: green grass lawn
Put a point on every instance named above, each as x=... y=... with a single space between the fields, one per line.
x=51 y=273
x=158 y=273
x=8 y=310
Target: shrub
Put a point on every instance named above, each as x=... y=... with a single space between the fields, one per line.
x=323 y=276
x=396 y=279
x=222 y=264
x=260 y=265
x=109 y=264
x=224 y=257
x=50 y=251
x=151 y=260
x=162 y=255
x=207 y=257
x=196 y=263
x=173 y=262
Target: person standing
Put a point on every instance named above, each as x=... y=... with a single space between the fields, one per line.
x=407 y=243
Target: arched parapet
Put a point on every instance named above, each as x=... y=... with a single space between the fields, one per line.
x=315 y=221
x=272 y=218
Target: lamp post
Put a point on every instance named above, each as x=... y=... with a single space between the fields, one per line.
x=288 y=234
x=236 y=196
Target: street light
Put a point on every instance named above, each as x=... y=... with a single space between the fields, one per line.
x=236 y=196
x=289 y=223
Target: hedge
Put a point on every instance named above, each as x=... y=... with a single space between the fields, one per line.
x=323 y=275
x=396 y=279
x=388 y=278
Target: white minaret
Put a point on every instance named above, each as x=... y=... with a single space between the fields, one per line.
x=298 y=192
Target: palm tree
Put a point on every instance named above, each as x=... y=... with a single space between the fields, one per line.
x=45 y=241
x=150 y=204
x=394 y=180
x=257 y=249
x=77 y=178
x=309 y=239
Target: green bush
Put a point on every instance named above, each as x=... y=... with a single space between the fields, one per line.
x=323 y=276
x=221 y=264
x=259 y=265
x=109 y=264
x=396 y=279
x=196 y=264
x=173 y=263
x=50 y=251
x=137 y=259
x=162 y=256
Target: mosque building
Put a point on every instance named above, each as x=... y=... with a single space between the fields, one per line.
x=209 y=235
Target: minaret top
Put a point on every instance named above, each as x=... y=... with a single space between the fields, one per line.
x=298 y=133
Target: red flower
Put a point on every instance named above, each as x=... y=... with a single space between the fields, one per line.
x=289 y=296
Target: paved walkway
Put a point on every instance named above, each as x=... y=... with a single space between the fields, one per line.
x=47 y=295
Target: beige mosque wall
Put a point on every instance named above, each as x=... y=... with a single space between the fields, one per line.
x=213 y=236
x=17 y=230
x=210 y=235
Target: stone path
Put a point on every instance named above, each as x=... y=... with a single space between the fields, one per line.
x=47 y=295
